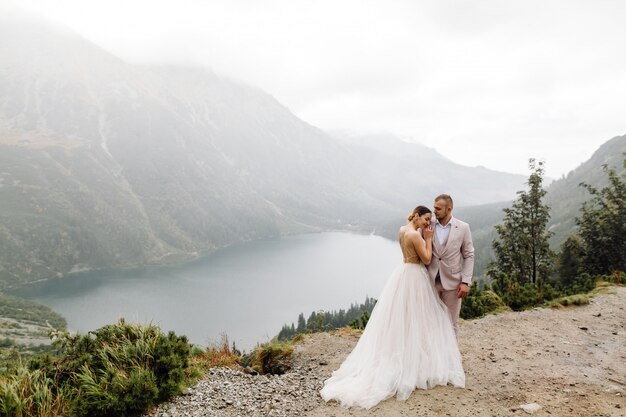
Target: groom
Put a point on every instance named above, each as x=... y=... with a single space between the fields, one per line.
x=452 y=263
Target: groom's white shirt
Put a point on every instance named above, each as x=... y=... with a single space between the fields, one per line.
x=442 y=231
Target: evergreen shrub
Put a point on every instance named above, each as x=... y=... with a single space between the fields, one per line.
x=479 y=303
x=118 y=370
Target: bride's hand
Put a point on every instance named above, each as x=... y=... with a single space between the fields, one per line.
x=427 y=232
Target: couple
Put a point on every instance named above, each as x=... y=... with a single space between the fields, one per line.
x=410 y=339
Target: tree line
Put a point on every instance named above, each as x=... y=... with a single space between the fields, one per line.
x=322 y=321
x=526 y=272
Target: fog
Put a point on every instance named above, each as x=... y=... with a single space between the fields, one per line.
x=486 y=83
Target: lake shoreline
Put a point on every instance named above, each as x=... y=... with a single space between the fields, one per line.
x=179 y=259
x=227 y=284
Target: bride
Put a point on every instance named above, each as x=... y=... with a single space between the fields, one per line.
x=409 y=341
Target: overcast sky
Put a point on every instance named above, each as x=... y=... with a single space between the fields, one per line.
x=489 y=83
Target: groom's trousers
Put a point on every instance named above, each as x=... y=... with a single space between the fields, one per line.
x=451 y=299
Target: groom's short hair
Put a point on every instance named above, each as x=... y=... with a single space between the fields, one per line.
x=446 y=198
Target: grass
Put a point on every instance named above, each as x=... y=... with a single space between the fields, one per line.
x=269 y=358
x=571 y=300
x=297 y=338
x=27 y=393
x=273 y=358
x=349 y=331
x=602 y=287
x=217 y=354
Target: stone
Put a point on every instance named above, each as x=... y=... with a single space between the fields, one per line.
x=530 y=408
x=250 y=371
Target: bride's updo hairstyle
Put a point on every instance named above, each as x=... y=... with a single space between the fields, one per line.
x=418 y=211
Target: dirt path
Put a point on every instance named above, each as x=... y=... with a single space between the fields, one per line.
x=570 y=361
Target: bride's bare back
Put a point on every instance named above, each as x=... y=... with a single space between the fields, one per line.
x=409 y=240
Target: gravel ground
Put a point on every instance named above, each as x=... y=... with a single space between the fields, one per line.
x=569 y=361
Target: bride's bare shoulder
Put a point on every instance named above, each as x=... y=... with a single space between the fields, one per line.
x=412 y=234
x=401 y=233
x=416 y=235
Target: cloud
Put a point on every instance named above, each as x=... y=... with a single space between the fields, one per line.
x=486 y=82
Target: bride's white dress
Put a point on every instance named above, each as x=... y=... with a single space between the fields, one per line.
x=408 y=343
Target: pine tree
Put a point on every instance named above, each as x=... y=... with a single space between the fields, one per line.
x=570 y=259
x=301 y=324
x=521 y=249
x=602 y=225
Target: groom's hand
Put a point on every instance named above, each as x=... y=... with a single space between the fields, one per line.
x=463 y=290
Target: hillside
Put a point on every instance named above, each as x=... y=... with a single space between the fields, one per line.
x=570 y=361
x=565 y=196
x=107 y=164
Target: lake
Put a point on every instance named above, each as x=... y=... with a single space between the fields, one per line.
x=246 y=291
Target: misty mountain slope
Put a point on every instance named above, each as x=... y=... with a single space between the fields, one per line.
x=106 y=164
x=565 y=197
x=411 y=173
x=290 y=163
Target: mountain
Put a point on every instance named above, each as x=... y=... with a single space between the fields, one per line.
x=565 y=197
x=106 y=164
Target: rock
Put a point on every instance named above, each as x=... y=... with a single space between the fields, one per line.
x=530 y=408
x=250 y=371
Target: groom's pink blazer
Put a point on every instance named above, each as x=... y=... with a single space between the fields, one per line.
x=454 y=260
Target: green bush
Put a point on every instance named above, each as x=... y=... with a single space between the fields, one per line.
x=580 y=284
x=119 y=369
x=519 y=297
x=617 y=277
x=272 y=358
x=479 y=303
